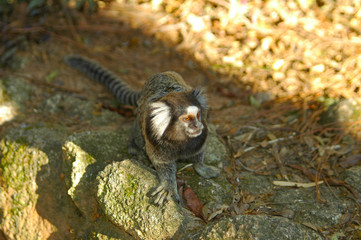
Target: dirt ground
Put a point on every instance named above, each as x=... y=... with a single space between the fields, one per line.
x=246 y=120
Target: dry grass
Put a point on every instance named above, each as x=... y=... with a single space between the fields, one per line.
x=282 y=47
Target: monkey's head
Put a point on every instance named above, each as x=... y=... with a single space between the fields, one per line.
x=179 y=116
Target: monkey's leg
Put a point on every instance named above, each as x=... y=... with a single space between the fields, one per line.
x=168 y=185
x=202 y=169
x=166 y=168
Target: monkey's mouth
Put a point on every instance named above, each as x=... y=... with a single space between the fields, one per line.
x=194 y=133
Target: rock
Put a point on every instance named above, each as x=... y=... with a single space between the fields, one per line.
x=123 y=189
x=216 y=153
x=103 y=229
x=84 y=155
x=352 y=177
x=263 y=97
x=32 y=203
x=25 y=167
x=343 y=111
x=88 y=154
x=16 y=90
x=80 y=109
x=255 y=227
x=209 y=190
x=215 y=194
x=303 y=202
x=254 y=184
x=13 y=95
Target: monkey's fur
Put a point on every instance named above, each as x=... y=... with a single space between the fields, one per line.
x=170 y=123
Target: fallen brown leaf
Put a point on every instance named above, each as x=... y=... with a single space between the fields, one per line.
x=193 y=202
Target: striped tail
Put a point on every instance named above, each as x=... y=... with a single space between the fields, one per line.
x=102 y=75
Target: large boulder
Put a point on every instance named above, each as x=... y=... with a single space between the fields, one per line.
x=97 y=174
x=123 y=189
x=27 y=157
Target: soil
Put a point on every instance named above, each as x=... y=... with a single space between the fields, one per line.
x=281 y=137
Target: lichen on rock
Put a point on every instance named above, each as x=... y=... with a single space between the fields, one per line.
x=84 y=155
x=19 y=167
x=123 y=189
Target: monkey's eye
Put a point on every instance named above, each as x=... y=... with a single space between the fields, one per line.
x=198 y=114
x=186 y=119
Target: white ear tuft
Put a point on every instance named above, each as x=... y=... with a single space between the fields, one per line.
x=160 y=118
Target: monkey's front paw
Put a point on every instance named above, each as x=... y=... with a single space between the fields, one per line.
x=164 y=193
x=206 y=171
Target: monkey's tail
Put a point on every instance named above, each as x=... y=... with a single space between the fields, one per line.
x=100 y=74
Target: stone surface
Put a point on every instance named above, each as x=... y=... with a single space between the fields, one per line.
x=84 y=155
x=123 y=190
x=344 y=111
x=24 y=166
x=216 y=153
x=33 y=202
x=254 y=227
x=352 y=177
x=81 y=109
x=13 y=94
x=255 y=184
x=303 y=202
x=215 y=193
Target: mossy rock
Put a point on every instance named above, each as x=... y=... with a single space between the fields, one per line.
x=215 y=191
x=13 y=96
x=216 y=153
x=21 y=165
x=123 y=194
x=84 y=155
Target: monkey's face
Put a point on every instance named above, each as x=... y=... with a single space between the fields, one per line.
x=192 y=122
x=178 y=116
x=176 y=124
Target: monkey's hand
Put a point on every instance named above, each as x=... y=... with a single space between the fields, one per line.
x=167 y=187
x=164 y=192
x=206 y=171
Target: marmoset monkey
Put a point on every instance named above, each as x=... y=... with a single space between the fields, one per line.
x=170 y=124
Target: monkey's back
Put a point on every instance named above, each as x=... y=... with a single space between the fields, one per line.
x=160 y=85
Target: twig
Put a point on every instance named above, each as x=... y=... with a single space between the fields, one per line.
x=296 y=184
x=277 y=157
x=245 y=167
x=186 y=166
x=269 y=142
